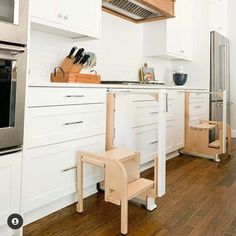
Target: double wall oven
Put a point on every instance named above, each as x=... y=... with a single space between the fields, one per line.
x=13 y=61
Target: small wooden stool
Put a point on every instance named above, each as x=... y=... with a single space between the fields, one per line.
x=122 y=179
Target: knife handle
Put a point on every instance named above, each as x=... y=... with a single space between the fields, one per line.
x=84 y=59
x=79 y=53
x=72 y=52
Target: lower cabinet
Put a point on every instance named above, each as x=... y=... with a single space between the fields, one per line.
x=139 y=129
x=49 y=172
x=170 y=137
x=145 y=140
x=10 y=185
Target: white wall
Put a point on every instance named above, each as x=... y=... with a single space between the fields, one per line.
x=199 y=69
x=232 y=37
x=119 y=52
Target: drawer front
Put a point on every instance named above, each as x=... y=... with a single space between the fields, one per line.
x=147 y=113
x=144 y=140
x=50 y=172
x=50 y=96
x=198 y=97
x=198 y=108
x=143 y=113
x=50 y=125
x=141 y=98
x=194 y=119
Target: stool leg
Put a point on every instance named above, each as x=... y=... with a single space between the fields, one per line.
x=124 y=217
x=229 y=141
x=80 y=184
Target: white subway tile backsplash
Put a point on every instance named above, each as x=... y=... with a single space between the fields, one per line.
x=119 y=52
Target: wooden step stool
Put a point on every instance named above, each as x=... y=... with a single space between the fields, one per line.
x=197 y=139
x=122 y=179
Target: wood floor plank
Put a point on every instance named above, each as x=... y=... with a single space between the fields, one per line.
x=200 y=201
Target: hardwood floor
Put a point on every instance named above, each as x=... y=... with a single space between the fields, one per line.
x=200 y=200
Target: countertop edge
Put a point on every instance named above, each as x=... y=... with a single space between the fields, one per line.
x=110 y=86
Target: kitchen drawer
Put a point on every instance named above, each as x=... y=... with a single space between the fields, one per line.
x=50 y=125
x=144 y=140
x=143 y=113
x=198 y=108
x=198 y=97
x=141 y=98
x=147 y=113
x=194 y=119
x=50 y=172
x=50 y=96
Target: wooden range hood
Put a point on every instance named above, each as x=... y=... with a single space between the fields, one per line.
x=139 y=11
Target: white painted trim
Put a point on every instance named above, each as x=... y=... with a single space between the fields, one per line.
x=233 y=133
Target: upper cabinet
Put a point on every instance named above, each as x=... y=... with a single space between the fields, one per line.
x=171 y=38
x=219 y=16
x=74 y=18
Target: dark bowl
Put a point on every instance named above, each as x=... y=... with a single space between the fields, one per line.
x=180 y=79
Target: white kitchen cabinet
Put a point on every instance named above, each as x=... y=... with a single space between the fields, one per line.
x=60 y=121
x=170 y=137
x=49 y=172
x=10 y=185
x=50 y=125
x=219 y=16
x=139 y=129
x=74 y=18
x=145 y=140
x=171 y=38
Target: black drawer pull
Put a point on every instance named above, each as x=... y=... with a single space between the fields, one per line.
x=155 y=142
x=75 y=96
x=68 y=169
x=73 y=123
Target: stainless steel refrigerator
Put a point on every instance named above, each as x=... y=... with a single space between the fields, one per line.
x=220 y=76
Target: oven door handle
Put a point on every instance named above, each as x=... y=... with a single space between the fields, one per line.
x=12 y=48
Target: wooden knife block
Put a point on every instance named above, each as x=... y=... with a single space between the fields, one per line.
x=74 y=77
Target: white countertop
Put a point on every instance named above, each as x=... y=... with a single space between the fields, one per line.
x=112 y=86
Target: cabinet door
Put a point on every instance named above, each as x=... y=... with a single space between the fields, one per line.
x=173 y=29
x=44 y=9
x=10 y=184
x=170 y=141
x=83 y=16
x=186 y=29
x=50 y=172
x=145 y=140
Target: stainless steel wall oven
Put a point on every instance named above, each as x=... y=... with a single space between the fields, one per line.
x=13 y=60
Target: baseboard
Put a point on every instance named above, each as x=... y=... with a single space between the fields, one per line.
x=172 y=155
x=43 y=211
x=233 y=133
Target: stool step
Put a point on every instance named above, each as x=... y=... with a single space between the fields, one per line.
x=134 y=189
x=120 y=154
x=215 y=144
x=204 y=126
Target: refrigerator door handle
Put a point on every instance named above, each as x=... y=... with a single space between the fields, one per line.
x=226 y=67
